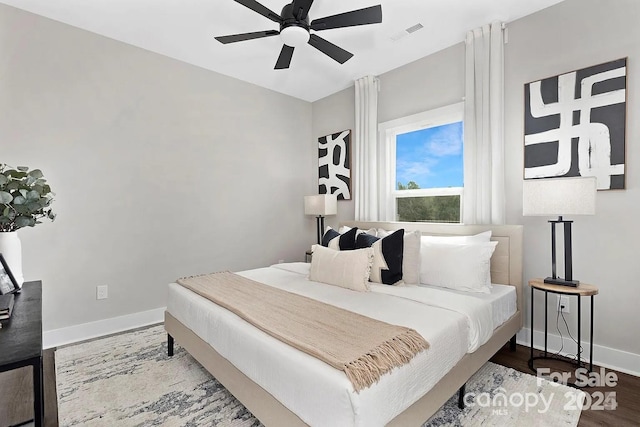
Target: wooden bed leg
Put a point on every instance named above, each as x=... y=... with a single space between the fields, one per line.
x=512 y=343
x=169 y=345
x=461 y=396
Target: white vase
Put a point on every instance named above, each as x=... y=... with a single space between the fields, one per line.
x=11 y=250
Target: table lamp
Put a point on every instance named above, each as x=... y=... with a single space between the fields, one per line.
x=560 y=196
x=320 y=205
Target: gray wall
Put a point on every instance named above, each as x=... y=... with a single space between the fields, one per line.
x=330 y=115
x=160 y=169
x=571 y=35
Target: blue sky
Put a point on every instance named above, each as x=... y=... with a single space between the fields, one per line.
x=431 y=157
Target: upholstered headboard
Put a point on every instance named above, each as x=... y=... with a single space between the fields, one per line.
x=506 y=262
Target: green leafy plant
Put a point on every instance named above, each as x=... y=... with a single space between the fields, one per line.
x=25 y=198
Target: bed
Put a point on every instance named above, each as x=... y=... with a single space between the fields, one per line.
x=283 y=386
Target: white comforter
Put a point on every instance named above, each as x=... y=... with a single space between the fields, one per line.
x=318 y=393
x=478 y=313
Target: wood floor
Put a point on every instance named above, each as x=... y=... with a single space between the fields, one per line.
x=627 y=390
x=16 y=394
x=18 y=408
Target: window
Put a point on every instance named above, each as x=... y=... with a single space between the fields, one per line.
x=422 y=166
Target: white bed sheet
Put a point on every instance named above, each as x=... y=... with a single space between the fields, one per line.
x=503 y=300
x=318 y=393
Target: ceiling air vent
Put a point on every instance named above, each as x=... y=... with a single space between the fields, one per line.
x=406 y=32
x=414 y=28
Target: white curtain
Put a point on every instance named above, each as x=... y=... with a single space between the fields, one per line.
x=484 y=127
x=366 y=157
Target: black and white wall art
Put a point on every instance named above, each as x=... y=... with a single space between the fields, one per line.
x=574 y=125
x=334 y=173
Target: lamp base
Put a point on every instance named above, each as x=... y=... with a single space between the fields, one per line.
x=559 y=281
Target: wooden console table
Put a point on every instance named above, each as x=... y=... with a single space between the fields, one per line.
x=21 y=341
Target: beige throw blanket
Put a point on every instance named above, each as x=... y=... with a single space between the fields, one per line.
x=362 y=347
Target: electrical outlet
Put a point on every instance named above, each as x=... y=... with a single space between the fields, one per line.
x=102 y=292
x=563 y=303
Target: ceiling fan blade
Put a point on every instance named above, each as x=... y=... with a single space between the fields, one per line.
x=246 y=36
x=301 y=8
x=369 y=15
x=330 y=49
x=284 y=60
x=262 y=10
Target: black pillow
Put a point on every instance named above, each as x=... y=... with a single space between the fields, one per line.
x=346 y=242
x=392 y=248
x=365 y=240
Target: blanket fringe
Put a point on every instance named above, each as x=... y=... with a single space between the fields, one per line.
x=366 y=370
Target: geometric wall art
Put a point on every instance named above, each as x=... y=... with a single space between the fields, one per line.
x=574 y=125
x=334 y=165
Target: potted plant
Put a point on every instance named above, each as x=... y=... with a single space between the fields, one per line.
x=25 y=199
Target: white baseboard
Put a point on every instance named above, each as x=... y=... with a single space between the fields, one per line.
x=607 y=357
x=85 y=331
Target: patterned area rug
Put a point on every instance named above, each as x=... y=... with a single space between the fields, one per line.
x=128 y=380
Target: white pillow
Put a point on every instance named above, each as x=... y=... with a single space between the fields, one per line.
x=347 y=269
x=410 y=256
x=477 y=238
x=464 y=266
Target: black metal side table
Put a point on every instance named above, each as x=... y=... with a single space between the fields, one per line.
x=21 y=341
x=582 y=290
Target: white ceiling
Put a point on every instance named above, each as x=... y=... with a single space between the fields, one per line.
x=184 y=30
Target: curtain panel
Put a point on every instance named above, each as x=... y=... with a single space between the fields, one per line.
x=366 y=150
x=484 y=199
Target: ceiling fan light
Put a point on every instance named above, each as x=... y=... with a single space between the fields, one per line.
x=294 y=36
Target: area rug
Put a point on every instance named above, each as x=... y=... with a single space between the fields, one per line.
x=128 y=380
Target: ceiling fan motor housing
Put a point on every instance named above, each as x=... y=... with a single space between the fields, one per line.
x=290 y=19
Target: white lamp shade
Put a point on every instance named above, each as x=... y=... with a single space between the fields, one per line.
x=321 y=205
x=294 y=36
x=559 y=196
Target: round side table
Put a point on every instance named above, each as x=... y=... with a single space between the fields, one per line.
x=582 y=290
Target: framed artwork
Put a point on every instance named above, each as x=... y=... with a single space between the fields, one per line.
x=8 y=283
x=334 y=165
x=574 y=125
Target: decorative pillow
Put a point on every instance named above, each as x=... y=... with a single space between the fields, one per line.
x=365 y=240
x=387 y=256
x=371 y=231
x=463 y=266
x=476 y=238
x=348 y=270
x=410 y=256
x=340 y=242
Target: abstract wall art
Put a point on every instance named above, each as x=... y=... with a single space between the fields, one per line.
x=574 y=125
x=334 y=173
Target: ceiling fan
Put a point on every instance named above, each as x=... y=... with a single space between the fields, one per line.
x=295 y=28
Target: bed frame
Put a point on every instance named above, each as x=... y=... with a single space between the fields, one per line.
x=506 y=268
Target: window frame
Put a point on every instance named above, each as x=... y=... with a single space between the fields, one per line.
x=388 y=131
